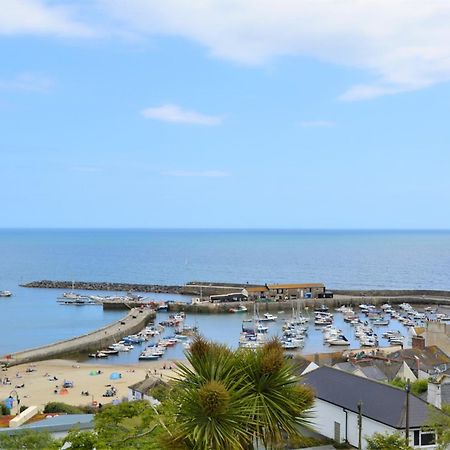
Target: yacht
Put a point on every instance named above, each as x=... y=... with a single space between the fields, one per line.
x=5 y=293
x=339 y=340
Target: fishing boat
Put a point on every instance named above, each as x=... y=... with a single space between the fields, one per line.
x=5 y=293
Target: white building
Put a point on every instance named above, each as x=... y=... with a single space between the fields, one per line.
x=140 y=390
x=383 y=408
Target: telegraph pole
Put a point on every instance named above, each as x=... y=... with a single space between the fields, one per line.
x=408 y=390
x=359 y=425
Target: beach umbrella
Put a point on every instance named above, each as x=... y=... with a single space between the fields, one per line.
x=93 y=372
x=115 y=376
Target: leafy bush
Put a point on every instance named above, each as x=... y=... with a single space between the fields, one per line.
x=417 y=387
x=386 y=441
x=82 y=440
x=27 y=439
x=160 y=392
x=60 y=407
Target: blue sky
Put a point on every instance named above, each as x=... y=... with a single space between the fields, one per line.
x=271 y=114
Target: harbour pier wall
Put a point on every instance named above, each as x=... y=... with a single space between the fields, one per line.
x=337 y=301
x=207 y=288
x=193 y=288
x=133 y=322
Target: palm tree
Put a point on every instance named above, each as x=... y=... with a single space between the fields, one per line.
x=232 y=399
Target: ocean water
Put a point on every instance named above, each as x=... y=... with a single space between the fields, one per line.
x=340 y=259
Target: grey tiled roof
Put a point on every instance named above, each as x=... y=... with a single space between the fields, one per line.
x=149 y=383
x=373 y=372
x=381 y=402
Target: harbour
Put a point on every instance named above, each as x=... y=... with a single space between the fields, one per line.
x=134 y=321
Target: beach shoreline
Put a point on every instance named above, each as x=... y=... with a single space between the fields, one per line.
x=41 y=387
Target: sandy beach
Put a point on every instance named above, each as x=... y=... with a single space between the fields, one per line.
x=41 y=387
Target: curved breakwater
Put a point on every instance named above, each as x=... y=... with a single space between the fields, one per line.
x=133 y=322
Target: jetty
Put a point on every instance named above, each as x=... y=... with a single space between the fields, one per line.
x=197 y=288
x=133 y=322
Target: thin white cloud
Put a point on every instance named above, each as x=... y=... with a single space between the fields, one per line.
x=189 y=173
x=40 y=17
x=403 y=45
x=27 y=81
x=317 y=124
x=176 y=114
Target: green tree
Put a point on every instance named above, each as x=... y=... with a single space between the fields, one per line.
x=82 y=440
x=439 y=421
x=131 y=425
x=231 y=399
x=29 y=440
x=386 y=441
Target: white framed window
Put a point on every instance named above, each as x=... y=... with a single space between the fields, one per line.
x=424 y=438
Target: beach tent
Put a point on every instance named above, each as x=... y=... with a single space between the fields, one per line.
x=63 y=391
x=93 y=372
x=115 y=376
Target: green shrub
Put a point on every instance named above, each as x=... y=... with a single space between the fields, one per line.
x=386 y=441
x=160 y=392
x=417 y=387
x=60 y=407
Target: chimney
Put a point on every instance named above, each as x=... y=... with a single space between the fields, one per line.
x=317 y=358
x=418 y=342
x=434 y=396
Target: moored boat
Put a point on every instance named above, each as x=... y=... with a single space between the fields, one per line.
x=239 y=309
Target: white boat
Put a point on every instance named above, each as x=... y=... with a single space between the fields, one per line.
x=267 y=317
x=289 y=345
x=98 y=355
x=339 y=341
x=380 y=322
x=148 y=356
x=261 y=329
x=239 y=309
x=121 y=347
x=5 y=293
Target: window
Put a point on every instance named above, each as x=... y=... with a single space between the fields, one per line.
x=424 y=438
x=416 y=437
x=427 y=438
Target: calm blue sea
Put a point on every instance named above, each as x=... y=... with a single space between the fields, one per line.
x=340 y=259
